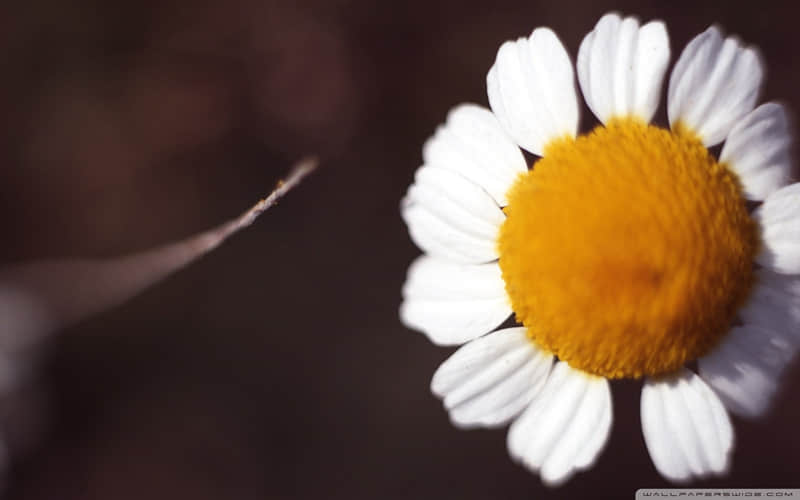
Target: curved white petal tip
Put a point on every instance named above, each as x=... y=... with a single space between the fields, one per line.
x=473 y=143
x=713 y=85
x=774 y=305
x=621 y=67
x=565 y=428
x=531 y=89
x=779 y=218
x=453 y=303
x=745 y=369
x=686 y=429
x=490 y=380
x=758 y=149
x=451 y=217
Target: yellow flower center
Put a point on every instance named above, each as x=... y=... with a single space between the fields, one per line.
x=626 y=252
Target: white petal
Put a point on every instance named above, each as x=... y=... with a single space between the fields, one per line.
x=779 y=217
x=451 y=217
x=473 y=143
x=758 y=149
x=531 y=89
x=714 y=84
x=686 y=429
x=490 y=380
x=744 y=369
x=621 y=67
x=453 y=303
x=774 y=305
x=565 y=427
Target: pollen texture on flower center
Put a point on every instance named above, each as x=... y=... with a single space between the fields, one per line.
x=626 y=252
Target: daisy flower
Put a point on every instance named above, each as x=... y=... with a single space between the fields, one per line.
x=631 y=251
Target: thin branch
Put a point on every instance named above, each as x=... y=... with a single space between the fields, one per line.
x=38 y=297
x=293 y=178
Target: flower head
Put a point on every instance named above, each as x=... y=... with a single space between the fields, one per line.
x=626 y=252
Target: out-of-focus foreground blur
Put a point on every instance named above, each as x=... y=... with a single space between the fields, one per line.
x=276 y=367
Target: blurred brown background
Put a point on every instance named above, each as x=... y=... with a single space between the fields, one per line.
x=276 y=367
